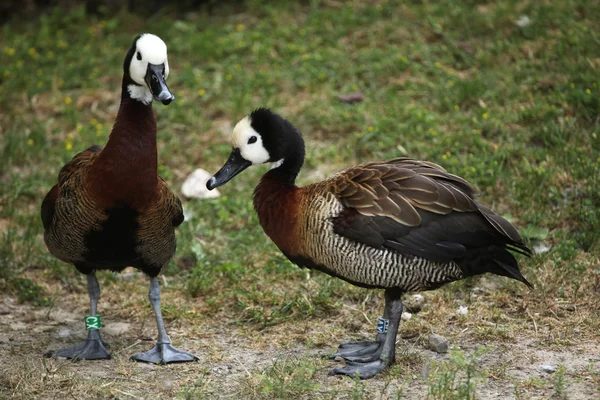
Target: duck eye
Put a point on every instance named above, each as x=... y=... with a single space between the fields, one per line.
x=252 y=140
x=138 y=56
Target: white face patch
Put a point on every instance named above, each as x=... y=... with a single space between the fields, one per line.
x=150 y=49
x=251 y=150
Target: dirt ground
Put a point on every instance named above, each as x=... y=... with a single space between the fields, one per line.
x=234 y=359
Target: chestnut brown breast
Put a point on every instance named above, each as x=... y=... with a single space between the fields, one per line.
x=110 y=209
x=276 y=204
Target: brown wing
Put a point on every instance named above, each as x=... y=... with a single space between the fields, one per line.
x=398 y=189
x=171 y=202
x=78 y=162
x=419 y=209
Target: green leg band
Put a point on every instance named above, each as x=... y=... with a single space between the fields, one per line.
x=93 y=322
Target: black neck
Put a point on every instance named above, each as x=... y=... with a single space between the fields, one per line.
x=292 y=162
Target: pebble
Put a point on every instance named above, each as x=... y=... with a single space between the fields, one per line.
x=523 y=21
x=541 y=248
x=116 y=328
x=64 y=332
x=194 y=186
x=548 y=368
x=462 y=310
x=406 y=316
x=438 y=343
x=414 y=303
x=222 y=369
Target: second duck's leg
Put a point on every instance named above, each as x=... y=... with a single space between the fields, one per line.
x=387 y=352
x=94 y=347
x=368 y=350
x=162 y=352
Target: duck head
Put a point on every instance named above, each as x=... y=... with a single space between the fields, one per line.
x=259 y=138
x=146 y=69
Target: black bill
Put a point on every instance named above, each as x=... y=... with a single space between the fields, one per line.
x=234 y=165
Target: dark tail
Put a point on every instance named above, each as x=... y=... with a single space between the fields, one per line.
x=493 y=259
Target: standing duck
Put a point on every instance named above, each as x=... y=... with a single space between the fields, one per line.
x=111 y=210
x=401 y=225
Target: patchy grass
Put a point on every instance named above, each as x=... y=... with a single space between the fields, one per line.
x=512 y=107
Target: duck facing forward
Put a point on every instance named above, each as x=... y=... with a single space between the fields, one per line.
x=400 y=225
x=111 y=210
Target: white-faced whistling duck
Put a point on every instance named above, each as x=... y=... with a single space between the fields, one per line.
x=401 y=225
x=111 y=210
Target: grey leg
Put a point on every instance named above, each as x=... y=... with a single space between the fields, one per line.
x=364 y=351
x=162 y=352
x=387 y=350
x=94 y=347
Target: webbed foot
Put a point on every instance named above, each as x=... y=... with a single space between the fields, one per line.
x=91 y=349
x=362 y=370
x=359 y=351
x=164 y=353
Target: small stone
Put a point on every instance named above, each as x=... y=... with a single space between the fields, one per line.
x=406 y=316
x=548 y=368
x=414 y=303
x=462 y=310
x=194 y=186
x=438 y=343
x=350 y=98
x=64 y=332
x=221 y=369
x=116 y=328
x=523 y=21
x=541 y=248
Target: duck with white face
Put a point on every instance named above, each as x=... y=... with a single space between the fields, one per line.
x=146 y=70
x=111 y=210
x=401 y=225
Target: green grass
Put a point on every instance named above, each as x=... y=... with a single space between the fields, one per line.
x=512 y=109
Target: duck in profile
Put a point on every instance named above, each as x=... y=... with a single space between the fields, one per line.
x=111 y=210
x=401 y=225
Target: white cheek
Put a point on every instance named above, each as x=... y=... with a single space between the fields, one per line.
x=255 y=153
x=137 y=71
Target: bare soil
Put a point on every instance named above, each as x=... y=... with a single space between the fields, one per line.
x=234 y=358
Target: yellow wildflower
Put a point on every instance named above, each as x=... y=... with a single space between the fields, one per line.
x=32 y=52
x=201 y=92
x=240 y=27
x=30 y=142
x=588 y=91
x=9 y=52
x=370 y=129
x=68 y=146
x=68 y=100
x=484 y=116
